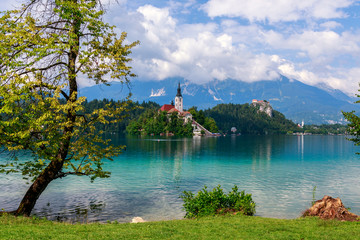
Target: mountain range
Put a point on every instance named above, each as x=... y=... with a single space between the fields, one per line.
x=296 y=100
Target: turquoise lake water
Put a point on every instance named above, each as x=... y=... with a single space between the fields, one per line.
x=147 y=179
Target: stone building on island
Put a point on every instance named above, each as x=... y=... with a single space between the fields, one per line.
x=187 y=116
x=178 y=107
x=179 y=100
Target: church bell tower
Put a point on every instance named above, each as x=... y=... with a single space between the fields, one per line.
x=179 y=100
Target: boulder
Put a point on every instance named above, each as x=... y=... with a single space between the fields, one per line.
x=331 y=208
x=137 y=220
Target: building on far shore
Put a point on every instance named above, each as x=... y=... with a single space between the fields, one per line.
x=179 y=100
x=178 y=107
x=263 y=106
x=187 y=116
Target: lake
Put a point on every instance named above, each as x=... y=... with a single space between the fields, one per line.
x=148 y=178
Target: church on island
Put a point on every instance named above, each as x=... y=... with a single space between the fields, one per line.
x=178 y=107
x=187 y=116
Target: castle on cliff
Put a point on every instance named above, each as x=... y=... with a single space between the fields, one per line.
x=263 y=106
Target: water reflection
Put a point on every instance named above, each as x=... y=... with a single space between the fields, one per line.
x=147 y=179
x=301 y=146
x=75 y=213
x=262 y=153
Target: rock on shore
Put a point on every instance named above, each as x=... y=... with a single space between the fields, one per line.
x=137 y=220
x=331 y=208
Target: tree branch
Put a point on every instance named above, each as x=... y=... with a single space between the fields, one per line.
x=50 y=87
x=83 y=116
x=64 y=174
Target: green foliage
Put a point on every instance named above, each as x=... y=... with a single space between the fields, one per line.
x=207 y=122
x=134 y=112
x=353 y=128
x=211 y=125
x=313 y=196
x=208 y=203
x=153 y=122
x=325 y=129
x=248 y=120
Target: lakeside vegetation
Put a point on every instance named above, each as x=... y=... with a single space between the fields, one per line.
x=220 y=118
x=219 y=227
x=210 y=203
x=324 y=129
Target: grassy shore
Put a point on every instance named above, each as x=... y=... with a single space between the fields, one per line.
x=221 y=227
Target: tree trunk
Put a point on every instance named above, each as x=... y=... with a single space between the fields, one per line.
x=51 y=171
x=42 y=181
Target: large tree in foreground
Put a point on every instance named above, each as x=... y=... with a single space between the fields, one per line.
x=44 y=48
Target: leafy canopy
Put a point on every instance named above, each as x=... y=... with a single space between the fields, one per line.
x=44 y=48
x=353 y=125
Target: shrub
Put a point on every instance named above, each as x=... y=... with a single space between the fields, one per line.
x=209 y=203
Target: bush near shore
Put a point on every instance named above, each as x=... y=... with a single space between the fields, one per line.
x=209 y=203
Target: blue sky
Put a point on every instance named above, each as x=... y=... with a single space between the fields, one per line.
x=314 y=41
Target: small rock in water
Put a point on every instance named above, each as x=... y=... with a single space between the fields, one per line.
x=137 y=220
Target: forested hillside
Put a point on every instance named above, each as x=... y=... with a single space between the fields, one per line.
x=248 y=120
x=136 y=109
x=221 y=118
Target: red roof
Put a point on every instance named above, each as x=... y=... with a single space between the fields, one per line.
x=185 y=113
x=173 y=110
x=166 y=107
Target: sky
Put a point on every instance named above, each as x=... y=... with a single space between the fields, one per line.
x=314 y=41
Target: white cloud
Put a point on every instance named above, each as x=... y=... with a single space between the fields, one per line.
x=203 y=50
x=195 y=51
x=346 y=80
x=320 y=46
x=330 y=25
x=288 y=69
x=277 y=10
x=157 y=22
x=228 y=48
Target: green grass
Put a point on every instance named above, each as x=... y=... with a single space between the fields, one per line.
x=220 y=227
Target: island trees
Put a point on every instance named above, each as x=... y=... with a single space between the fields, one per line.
x=153 y=122
x=44 y=48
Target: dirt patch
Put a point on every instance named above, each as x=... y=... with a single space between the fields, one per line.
x=331 y=208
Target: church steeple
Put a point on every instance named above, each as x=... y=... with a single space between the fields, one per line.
x=179 y=91
x=179 y=100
